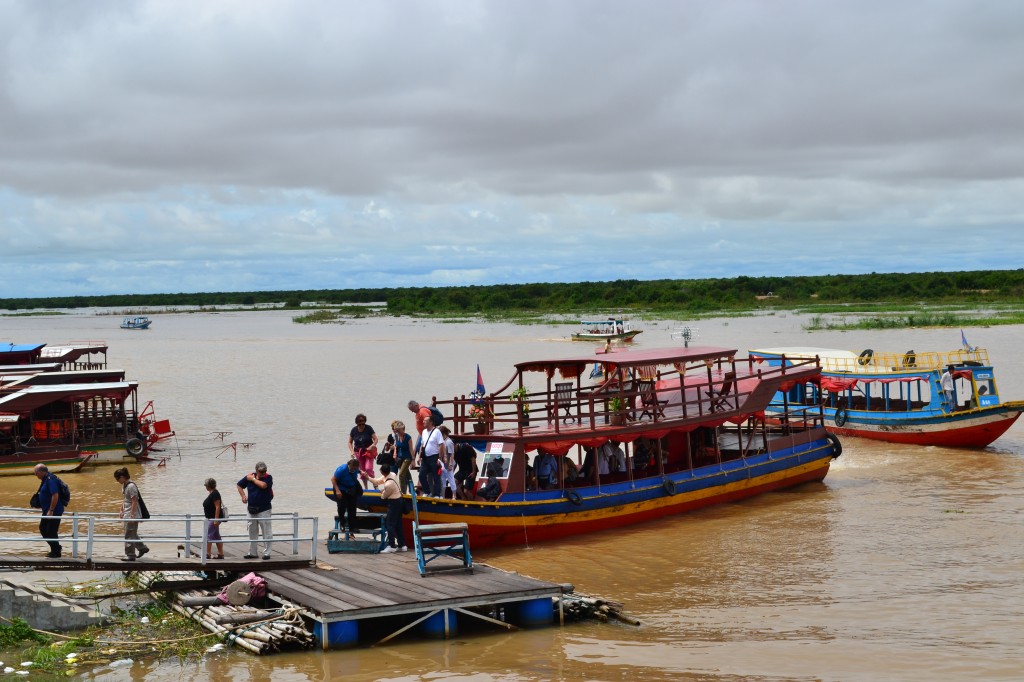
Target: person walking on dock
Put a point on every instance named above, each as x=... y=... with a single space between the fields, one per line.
x=213 y=507
x=131 y=508
x=50 y=503
x=392 y=496
x=257 y=491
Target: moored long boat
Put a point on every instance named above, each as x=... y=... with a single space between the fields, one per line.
x=685 y=426
x=898 y=397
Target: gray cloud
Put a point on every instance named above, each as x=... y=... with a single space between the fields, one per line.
x=323 y=144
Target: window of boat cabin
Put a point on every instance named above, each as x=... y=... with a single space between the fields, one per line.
x=496 y=461
x=985 y=387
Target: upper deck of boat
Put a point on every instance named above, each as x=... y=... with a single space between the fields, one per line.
x=836 y=361
x=635 y=391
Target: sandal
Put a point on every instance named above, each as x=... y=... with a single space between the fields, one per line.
x=219 y=556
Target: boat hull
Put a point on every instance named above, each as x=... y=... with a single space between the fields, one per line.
x=625 y=336
x=969 y=429
x=539 y=516
x=22 y=464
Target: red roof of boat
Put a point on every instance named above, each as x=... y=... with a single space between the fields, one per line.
x=628 y=358
x=34 y=397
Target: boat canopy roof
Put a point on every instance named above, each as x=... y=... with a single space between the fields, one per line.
x=72 y=351
x=33 y=397
x=626 y=359
x=30 y=369
x=20 y=353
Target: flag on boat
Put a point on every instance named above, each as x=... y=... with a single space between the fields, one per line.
x=963 y=340
x=479 y=381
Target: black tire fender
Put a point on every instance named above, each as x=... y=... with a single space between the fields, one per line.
x=840 y=416
x=573 y=497
x=135 y=447
x=837 y=446
x=669 y=485
x=865 y=356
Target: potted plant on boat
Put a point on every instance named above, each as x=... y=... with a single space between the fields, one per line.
x=519 y=395
x=479 y=414
x=616 y=411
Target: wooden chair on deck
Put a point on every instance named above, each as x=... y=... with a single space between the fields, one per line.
x=652 y=406
x=563 y=401
x=723 y=397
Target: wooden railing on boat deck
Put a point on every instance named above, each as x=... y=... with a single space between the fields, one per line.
x=719 y=387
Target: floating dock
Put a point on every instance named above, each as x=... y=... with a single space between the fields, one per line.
x=355 y=598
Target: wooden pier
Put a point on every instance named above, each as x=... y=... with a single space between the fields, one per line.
x=387 y=594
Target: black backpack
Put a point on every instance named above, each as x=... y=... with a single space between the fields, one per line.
x=436 y=416
x=64 y=492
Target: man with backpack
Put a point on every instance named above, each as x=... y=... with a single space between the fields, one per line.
x=51 y=501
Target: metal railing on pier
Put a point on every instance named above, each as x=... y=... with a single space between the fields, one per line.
x=81 y=530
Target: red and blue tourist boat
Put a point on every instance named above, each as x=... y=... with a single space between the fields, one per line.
x=679 y=428
x=898 y=397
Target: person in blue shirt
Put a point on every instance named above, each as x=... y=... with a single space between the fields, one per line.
x=49 y=502
x=257 y=491
x=346 y=493
x=546 y=468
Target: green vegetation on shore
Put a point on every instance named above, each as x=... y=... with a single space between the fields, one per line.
x=960 y=293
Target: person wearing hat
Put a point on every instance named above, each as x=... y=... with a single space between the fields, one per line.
x=257 y=491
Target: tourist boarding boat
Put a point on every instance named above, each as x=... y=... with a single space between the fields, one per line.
x=612 y=329
x=666 y=431
x=898 y=397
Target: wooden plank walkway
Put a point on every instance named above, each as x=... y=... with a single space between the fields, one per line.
x=351 y=586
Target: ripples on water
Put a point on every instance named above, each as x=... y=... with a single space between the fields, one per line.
x=906 y=563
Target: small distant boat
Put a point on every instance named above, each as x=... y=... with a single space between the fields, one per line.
x=898 y=397
x=612 y=329
x=136 y=323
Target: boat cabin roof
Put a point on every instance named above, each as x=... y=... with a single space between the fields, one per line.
x=73 y=351
x=34 y=397
x=626 y=359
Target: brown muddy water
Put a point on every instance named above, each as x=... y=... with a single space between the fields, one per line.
x=906 y=563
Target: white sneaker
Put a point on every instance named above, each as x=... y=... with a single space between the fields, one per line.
x=388 y=550
x=403 y=548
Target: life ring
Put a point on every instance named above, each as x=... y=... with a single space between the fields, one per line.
x=837 y=447
x=840 y=416
x=865 y=356
x=669 y=485
x=135 y=447
x=910 y=359
x=573 y=497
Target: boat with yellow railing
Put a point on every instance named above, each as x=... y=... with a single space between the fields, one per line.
x=931 y=398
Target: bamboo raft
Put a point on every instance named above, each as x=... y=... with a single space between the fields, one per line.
x=258 y=631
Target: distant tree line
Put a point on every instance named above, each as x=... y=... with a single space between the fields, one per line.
x=697 y=295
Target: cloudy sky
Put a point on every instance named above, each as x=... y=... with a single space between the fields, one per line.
x=165 y=146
